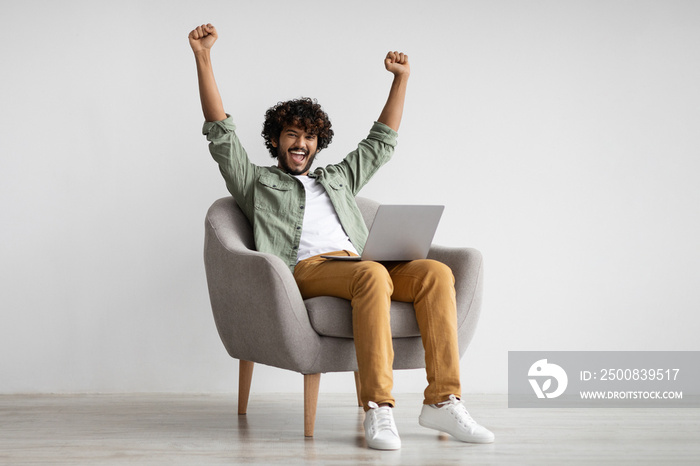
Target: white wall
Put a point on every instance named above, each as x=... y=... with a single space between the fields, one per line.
x=562 y=137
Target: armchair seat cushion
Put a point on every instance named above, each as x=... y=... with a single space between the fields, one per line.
x=332 y=317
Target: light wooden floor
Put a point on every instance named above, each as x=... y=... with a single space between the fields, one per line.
x=172 y=429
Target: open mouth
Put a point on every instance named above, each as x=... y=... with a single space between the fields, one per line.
x=298 y=156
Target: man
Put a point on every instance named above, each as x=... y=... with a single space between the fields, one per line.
x=299 y=215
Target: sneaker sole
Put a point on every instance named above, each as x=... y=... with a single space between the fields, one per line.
x=430 y=425
x=384 y=446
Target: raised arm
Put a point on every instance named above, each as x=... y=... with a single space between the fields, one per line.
x=202 y=39
x=397 y=64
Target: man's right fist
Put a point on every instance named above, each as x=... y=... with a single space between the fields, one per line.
x=202 y=37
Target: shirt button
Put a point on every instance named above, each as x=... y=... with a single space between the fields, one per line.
x=301 y=207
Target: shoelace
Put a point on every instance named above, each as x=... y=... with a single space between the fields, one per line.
x=459 y=411
x=382 y=418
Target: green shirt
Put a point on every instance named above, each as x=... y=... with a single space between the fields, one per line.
x=274 y=201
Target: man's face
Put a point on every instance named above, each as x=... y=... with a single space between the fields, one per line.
x=296 y=150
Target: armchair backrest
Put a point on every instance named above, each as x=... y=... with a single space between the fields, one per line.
x=231 y=225
x=368 y=208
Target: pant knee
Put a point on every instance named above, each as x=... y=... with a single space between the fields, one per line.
x=372 y=276
x=437 y=273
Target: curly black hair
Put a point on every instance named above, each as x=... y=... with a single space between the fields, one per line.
x=305 y=113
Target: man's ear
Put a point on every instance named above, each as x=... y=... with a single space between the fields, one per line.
x=274 y=142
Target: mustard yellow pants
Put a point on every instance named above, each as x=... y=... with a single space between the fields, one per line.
x=370 y=287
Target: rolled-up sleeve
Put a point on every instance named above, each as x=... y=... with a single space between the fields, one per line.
x=232 y=159
x=372 y=152
x=383 y=134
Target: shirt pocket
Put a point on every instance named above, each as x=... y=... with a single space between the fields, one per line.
x=273 y=194
x=338 y=184
x=339 y=187
x=340 y=194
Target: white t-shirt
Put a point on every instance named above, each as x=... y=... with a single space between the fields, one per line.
x=321 y=231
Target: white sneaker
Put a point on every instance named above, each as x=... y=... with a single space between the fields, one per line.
x=380 y=430
x=452 y=417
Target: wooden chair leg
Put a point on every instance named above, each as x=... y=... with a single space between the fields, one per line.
x=358 y=387
x=245 y=376
x=311 y=383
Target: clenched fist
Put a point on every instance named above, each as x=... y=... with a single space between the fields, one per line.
x=397 y=63
x=202 y=37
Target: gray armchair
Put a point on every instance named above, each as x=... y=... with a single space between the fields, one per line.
x=262 y=318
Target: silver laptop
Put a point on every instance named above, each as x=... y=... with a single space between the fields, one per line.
x=400 y=233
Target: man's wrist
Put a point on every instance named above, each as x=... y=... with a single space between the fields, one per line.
x=202 y=54
x=400 y=80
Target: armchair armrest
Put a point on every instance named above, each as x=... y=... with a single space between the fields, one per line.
x=258 y=310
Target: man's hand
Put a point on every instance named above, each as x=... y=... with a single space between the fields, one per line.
x=202 y=37
x=397 y=64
